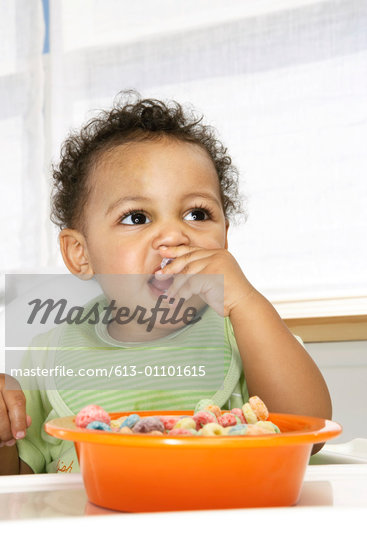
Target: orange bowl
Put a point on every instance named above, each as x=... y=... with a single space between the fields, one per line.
x=151 y=473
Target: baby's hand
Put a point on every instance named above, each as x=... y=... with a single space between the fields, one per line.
x=13 y=418
x=190 y=260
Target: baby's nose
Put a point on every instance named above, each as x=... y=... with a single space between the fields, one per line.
x=171 y=236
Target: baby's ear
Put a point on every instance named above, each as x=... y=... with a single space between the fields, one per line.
x=75 y=254
x=227 y=227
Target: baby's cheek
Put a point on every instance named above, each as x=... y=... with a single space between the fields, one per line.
x=130 y=261
x=118 y=260
x=218 y=241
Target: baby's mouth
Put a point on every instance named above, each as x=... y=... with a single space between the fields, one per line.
x=161 y=284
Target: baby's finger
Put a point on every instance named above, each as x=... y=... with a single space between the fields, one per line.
x=178 y=287
x=177 y=251
x=185 y=286
x=185 y=263
x=16 y=405
x=195 y=279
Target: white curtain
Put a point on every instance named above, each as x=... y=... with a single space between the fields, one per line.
x=23 y=197
x=284 y=82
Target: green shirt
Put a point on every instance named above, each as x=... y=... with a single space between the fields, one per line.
x=209 y=342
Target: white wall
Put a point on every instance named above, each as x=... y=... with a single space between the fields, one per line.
x=344 y=367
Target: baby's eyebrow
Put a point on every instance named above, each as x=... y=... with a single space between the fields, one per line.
x=201 y=195
x=136 y=198
x=121 y=200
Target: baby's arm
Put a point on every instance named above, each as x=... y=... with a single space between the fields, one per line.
x=13 y=424
x=277 y=367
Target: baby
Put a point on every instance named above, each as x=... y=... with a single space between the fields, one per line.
x=140 y=185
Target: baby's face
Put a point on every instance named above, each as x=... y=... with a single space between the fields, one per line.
x=173 y=191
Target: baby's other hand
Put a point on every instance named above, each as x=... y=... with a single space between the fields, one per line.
x=189 y=261
x=14 y=420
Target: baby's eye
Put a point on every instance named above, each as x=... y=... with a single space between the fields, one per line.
x=198 y=215
x=134 y=218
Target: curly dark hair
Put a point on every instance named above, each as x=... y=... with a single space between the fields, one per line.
x=133 y=119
